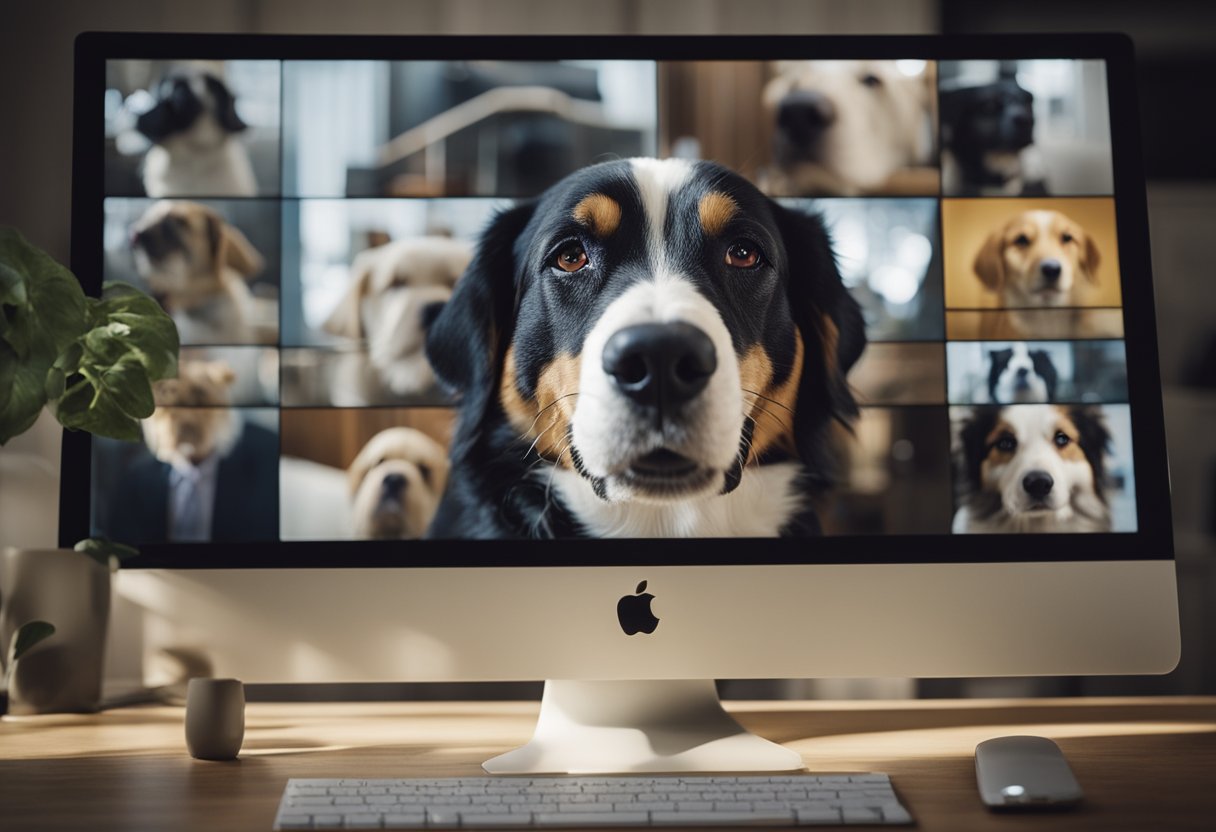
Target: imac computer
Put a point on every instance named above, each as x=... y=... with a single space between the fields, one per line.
x=629 y=364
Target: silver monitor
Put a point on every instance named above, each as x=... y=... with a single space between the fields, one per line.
x=639 y=365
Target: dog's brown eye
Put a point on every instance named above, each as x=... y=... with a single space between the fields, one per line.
x=871 y=80
x=1021 y=241
x=1007 y=444
x=426 y=473
x=1065 y=237
x=743 y=254
x=1062 y=439
x=571 y=258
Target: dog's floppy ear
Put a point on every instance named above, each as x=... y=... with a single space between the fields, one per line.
x=1094 y=440
x=347 y=318
x=468 y=339
x=990 y=261
x=973 y=444
x=225 y=104
x=1090 y=259
x=230 y=247
x=832 y=329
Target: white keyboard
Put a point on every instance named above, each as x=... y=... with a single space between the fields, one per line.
x=571 y=802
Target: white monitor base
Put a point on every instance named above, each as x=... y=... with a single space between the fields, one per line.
x=608 y=727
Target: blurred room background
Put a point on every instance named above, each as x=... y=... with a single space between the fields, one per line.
x=1176 y=49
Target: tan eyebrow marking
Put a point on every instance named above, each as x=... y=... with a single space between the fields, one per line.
x=600 y=213
x=716 y=209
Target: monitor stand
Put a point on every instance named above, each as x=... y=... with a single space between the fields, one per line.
x=611 y=727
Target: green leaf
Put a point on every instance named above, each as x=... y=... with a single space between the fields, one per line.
x=150 y=334
x=26 y=392
x=43 y=311
x=26 y=636
x=8 y=373
x=56 y=381
x=101 y=549
x=52 y=313
x=109 y=403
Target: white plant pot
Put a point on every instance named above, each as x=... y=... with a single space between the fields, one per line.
x=72 y=591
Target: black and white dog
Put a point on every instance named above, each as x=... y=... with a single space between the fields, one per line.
x=193 y=128
x=1018 y=374
x=1032 y=468
x=653 y=348
x=987 y=136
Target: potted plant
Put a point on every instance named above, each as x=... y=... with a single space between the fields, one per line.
x=91 y=362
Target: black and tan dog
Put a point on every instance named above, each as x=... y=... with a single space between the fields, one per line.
x=651 y=349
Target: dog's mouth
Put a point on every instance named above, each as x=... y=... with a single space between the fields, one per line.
x=665 y=473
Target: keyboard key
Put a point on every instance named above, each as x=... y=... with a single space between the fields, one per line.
x=472 y=821
x=721 y=818
x=363 y=821
x=405 y=821
x=818 y=817
x=574 y=819
x=860 y=815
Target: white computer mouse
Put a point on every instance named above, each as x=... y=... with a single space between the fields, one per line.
x=1024 y=773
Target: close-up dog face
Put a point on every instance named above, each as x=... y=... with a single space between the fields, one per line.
x=395 y=292
x=1018 y=374
x=856 y=122
x=996 y=117
x=1036 y=463
x=192 y=106
x=653 y=326
x=395 y=484
x=181 y=248
x=1037 y=259
x=192 y=421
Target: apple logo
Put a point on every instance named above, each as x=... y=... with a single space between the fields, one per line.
x=634 y=613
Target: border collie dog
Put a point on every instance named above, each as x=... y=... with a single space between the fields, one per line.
x=1018 y=374
x=988 y=141
x=1033 y=468
x=653 y=348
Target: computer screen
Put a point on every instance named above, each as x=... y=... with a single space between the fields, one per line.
x=876 y=304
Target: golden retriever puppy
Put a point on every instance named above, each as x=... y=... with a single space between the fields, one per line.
x=197 y=266
x=395 y=484
x=1038 y=261
x=192 y=421
x=850 y=128
x=395 y=291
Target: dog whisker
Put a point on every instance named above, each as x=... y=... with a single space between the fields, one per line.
x=767 y=399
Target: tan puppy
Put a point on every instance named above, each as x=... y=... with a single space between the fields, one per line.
x=197 y=266
x=849 y=127
x=192 y=420
x=395 y=484
x=394 y=292
x=1038 y=260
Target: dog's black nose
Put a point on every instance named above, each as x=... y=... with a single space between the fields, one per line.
x=1038 y=484
x=804 y=114
x=1051 y=270
x=660 y=364
x=1023 y=372
x=393 y=483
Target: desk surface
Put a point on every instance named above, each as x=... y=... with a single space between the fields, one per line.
x=1143 y=763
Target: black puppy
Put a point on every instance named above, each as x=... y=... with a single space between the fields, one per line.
x=987 y=133
x=192 y=127
x=651 y=349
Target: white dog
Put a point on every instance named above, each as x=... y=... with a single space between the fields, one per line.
x=395 y=483
x=848 y=127
x=395 y=291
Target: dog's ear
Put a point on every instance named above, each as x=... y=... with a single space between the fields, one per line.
x=219 y=373
x=229 y=247
x=359 y=468
x=467 y=340
x=990 y=261
x=225 y=104
x=973 y=444
x=347 y=318
x=832 y=329
x=1094 y=440
x=1090 y=260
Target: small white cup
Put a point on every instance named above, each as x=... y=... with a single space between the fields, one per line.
x=215 y=718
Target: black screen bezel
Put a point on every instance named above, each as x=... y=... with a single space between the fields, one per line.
x=1152 y=541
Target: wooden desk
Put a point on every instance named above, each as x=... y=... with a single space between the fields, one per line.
x=1145 y=764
